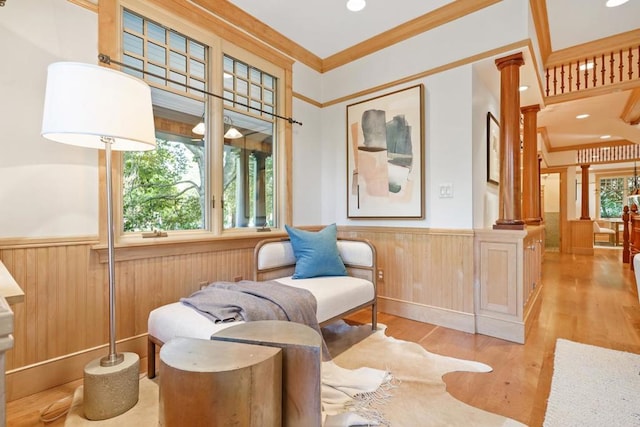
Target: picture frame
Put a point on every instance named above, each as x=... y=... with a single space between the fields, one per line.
x=385 y=156
x=493 y=149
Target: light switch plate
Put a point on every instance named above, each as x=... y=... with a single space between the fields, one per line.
x=446 y=190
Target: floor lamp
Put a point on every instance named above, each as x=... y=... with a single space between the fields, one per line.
x=97 y=107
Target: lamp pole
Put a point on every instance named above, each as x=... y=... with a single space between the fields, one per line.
x=112 y=358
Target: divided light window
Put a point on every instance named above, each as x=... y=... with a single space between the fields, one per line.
x=248 y=188
x=174 y=187
x=614 y=192
x=165 y=189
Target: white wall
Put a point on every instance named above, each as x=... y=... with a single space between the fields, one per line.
x=48 y=189
x=52 y=188
x=498 y=25
x=454 y=118
x=551 y=192
x=307 y=165
x=485 y=195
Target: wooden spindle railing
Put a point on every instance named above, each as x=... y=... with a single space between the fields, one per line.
x=597 y=71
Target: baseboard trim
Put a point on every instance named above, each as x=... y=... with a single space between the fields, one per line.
x=33 y=379
x=510 y=330
x=457 y=320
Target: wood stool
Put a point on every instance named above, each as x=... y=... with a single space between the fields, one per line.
x=301 y=346
x=215 y=383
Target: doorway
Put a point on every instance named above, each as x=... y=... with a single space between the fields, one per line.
x=550 y=188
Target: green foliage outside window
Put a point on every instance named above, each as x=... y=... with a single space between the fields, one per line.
x=162 y=188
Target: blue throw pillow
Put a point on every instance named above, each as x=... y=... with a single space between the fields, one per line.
x=316 y=252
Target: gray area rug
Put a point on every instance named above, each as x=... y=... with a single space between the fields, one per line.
x=593 y=386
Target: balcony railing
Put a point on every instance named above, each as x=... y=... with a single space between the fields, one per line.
x=621 y=153
x=597 y=71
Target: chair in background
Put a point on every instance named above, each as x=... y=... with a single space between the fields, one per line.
x=603 y=230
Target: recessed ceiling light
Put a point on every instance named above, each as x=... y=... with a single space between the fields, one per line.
x=614 y=3
x=523 y=88
x=587 y=66
x=582 y=116
x=605 y=137
x=356 y=5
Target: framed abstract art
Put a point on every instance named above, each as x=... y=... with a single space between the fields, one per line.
x=385 y=156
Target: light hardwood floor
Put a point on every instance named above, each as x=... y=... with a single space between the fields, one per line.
x=588 y=299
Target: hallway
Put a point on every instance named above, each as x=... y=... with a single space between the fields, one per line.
x=587 y=299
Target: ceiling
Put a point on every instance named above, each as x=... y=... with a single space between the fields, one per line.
x=326 y=28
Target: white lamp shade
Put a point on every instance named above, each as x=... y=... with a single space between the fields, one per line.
x=84 y=103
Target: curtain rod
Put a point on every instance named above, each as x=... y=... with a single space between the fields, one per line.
x=106 y=59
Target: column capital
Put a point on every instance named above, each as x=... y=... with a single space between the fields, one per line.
x=530 y=109
x=515 y=59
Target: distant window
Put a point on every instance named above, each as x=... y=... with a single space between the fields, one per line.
x=613 y=193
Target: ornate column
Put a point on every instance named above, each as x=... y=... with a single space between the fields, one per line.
x=531 y=178
x=585 y=192
x=510 y=195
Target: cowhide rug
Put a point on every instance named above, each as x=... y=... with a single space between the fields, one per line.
x=418 y=396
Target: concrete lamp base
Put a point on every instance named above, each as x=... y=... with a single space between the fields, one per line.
x=111 y=390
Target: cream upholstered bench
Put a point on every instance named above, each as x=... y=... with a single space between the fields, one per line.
x=336 y=296
x=603 y=230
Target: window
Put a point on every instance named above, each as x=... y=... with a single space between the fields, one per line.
x=613 y=193
x=248 y=197
x=178 y=186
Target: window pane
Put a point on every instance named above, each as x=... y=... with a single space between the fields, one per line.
x=228 y=65
x=178 y=78
x=241 y=70
x=177 y=41
x=256 y=92
x=196 y=69
x=197 y=84
x=133 y=44
x=159 y=71
x=611 y=196
x=242 y=87
x=133 y=22
x=248 y=173
x=156 y=53
x=165 y=188
x=268 y=96
x=134 y=62
x=255 y=75
x=267 y=81
x=197 y=50
x=156 y=32
x=177 y=61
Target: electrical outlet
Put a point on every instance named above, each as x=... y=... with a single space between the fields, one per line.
x=380 y=274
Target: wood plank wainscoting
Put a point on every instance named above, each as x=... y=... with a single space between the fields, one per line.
x=581 y=236
x=427 y=275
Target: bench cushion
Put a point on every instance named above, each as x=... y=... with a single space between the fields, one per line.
x=335 y=295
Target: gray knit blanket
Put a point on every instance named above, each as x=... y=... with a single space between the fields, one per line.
x=250 y=301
